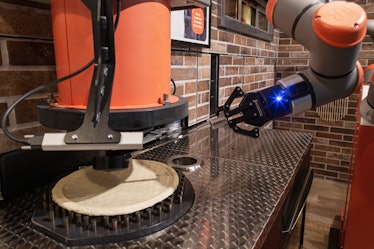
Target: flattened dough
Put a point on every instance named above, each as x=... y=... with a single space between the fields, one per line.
x=106 y=193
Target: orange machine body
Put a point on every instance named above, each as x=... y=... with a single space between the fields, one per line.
x=142 y=51
x=359 y=218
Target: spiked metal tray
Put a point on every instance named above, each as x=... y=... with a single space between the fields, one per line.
x=239 y=190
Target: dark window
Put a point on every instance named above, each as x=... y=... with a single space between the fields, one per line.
x=246 y=17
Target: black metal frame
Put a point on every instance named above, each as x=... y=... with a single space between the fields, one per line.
x=95 y=127
x=247 y=112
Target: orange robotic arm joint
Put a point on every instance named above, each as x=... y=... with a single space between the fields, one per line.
x=333 y=33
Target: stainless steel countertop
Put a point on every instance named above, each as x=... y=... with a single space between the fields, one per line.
x=239 y=191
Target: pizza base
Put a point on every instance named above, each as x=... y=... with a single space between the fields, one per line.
x=107 y=193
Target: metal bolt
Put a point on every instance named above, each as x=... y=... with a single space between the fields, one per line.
x=110 y=136
x=94 y=225
x=52 y=217
x=106 y=221
x=166 y=99
x=126 y=219
x=115 y=225
x=79 y=219
x=74 y=136
x=86 y=220
x=65 y=220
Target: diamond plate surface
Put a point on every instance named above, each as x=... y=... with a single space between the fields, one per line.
x=239 y=190
x=274 y=148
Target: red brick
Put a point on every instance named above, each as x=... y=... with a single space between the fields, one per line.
x=204 y=97
x=192 y=116
x=203 y=85
x=191 y=101
x=202 y=110
x=342 y=178
x=238 y=61
x=237 y=80
x=30 y=53
x=337 y=169
x=233 y=49
x=329 y=135
x=176 y=58
x=340 y=144
x=251 y=42
x=204 y=73
x=303 y=120
x=190 y=87
x=183 y=73
x=190 y=59
x=214 y=34
x=342 y=130
x=347 y=151
x=25 y=22
x=325 y=160
x=19 y=82
x=226 y=36
x=318 y=153
x=317 y=165
x=231 y=70
x=338 y=156
x=254 y=86
x=241 y=40
x=325 y=173
x=179 y=90
x=326 y=148
x=348 y=138
x=345 y=164
x=224 y=81
x=316 y=127
x=203 y=60
x=225 y=60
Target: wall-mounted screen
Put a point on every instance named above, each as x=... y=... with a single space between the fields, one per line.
x=191 y=26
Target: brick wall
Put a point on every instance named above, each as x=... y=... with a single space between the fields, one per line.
x=333 y=141
x=244 y=61
x=26 y=61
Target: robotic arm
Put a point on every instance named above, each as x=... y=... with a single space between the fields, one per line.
x=333 y=33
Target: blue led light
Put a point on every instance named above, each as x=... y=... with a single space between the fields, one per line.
x=277 y=102
x=278 y=98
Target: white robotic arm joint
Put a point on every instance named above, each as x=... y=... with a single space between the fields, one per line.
x=333 y=33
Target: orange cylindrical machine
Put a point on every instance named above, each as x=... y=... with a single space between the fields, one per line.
x=358 y=223
x=142 y=67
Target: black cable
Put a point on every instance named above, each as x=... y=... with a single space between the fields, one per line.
x=174 y=86
x=31 y=92
x=118 y=13
x=44 y=86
